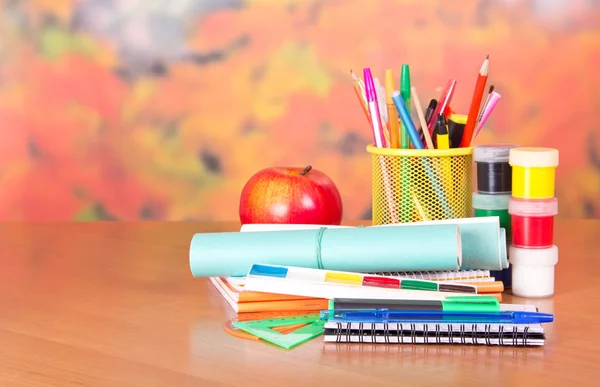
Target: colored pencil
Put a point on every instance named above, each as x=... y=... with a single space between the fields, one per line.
x=475 y=103
x=362 y=102
x=419 y=109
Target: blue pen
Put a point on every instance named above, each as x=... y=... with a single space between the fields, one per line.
x=415 y=138
x=386 y=315
x=407 y=121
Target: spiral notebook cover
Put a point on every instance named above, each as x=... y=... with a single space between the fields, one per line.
x=438 y=333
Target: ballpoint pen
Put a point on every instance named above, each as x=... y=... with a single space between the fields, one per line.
x=386 y=315
x=407 y=122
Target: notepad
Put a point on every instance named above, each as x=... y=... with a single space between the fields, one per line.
x=243 y=301
x=438 y=333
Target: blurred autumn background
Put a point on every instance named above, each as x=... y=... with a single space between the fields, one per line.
x=142 y=109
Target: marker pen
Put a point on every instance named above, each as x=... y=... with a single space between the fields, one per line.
x=451 y=304
x=442 y=133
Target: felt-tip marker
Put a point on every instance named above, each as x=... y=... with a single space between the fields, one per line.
x=442 y=133
x=450 y=304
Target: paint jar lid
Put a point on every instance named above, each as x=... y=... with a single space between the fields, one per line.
x=533 y=157
x=533 y=257
x=529 y=207
x=533 y=271
x=490 y=202
x=492 y=153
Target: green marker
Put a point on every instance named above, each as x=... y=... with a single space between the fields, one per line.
x=450 y=304
x=405 y=92
x=418 y=285
x=407 y=208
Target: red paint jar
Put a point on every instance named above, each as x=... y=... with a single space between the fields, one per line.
x=532 y=222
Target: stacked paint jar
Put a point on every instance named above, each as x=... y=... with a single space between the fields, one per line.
x=533 y=207
x=494 y=187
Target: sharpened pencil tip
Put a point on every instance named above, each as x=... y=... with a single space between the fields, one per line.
x=488 y=56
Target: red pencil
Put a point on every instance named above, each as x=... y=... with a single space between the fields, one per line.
x=475 y=104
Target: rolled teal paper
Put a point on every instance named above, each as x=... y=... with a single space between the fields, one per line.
x=232 y=253
x=362 y=249
x=372 y=249
x=483 y=241
x=484 y=247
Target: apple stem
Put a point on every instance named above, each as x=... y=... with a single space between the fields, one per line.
x=306 y=170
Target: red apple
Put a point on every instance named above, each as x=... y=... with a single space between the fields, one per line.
x=290 y=195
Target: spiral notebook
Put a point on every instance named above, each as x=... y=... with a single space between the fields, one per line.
x=438 y=333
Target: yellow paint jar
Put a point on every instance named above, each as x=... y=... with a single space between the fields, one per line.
x=533 y=172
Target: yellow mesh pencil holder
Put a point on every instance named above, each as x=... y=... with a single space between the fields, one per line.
x=412 y=185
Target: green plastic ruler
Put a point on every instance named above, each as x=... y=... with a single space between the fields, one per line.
x=262 y=329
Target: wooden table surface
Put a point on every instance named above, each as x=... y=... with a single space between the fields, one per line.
x=115 y=304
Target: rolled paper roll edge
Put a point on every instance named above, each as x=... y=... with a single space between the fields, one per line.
x=194 y=264
x=502 y=245
x=476 y=233
x=458 y=247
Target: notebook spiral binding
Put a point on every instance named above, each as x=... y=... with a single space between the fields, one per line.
x=461 y=336
x=438 y=275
